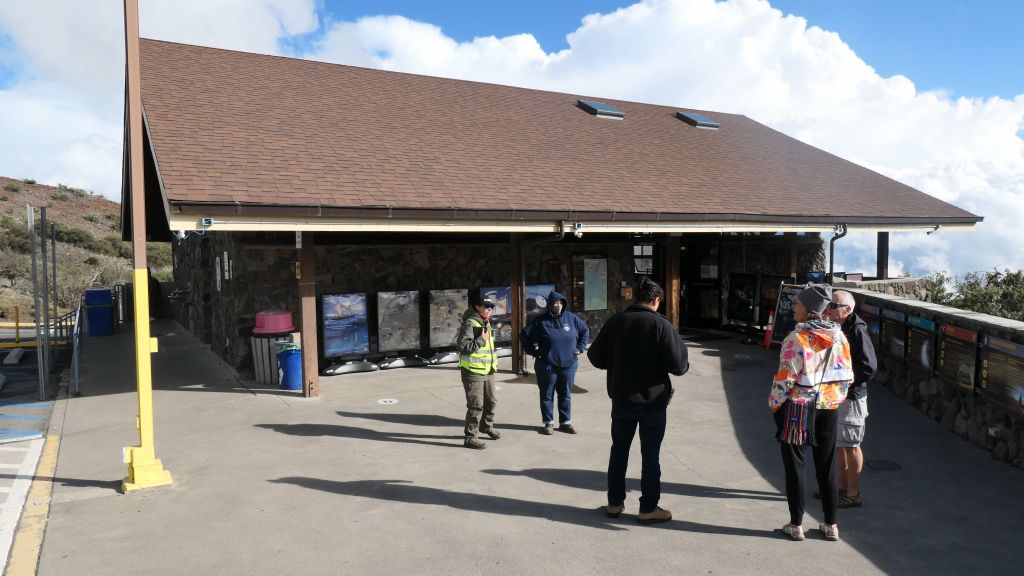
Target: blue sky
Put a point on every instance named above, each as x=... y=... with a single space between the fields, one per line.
x=970 y=48
x=926 y=92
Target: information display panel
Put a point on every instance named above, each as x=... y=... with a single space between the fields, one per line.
x=1002 y=373
x=958 y=356
x=871 y=315
x=921 y=343
x=894 y=333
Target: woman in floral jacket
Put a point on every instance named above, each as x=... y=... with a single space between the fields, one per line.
x=815 y=368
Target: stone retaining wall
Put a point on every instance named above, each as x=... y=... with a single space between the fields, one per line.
x=972 y=416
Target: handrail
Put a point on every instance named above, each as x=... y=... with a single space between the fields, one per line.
x=76 y=344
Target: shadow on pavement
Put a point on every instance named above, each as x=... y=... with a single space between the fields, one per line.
x=112 y=485
x=949 y=509
x=364 y=434
x=403 y=491
x=434 y=420
x=596 y=480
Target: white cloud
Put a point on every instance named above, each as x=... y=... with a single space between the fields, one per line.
x=736 y=56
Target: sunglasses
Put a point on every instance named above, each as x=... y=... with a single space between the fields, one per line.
x=488 y=307
x=835 y=306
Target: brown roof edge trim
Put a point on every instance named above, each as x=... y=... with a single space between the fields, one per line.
x=457 y=214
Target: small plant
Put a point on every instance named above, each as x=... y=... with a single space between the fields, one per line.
x=92 y=261
x=12 y=187
x=60 y=195
x=91 y=218
x=4 y=198
x=29 y=181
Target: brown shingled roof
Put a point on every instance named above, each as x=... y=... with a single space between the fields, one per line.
x=252 y=130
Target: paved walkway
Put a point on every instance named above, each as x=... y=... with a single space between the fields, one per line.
x=269 y=483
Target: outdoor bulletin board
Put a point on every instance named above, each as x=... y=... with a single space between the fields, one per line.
x=785 y=322
x=398 y=321
x=921 y=343
x=1002 y=373
x=345 y=329
x=871 y=316
x=958 y=353
x=445 y=314
x=894 y=333
x=501 y=319
x=768 y=296
x=595 y=284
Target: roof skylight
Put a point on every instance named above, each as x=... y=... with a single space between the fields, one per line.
x=600 y=109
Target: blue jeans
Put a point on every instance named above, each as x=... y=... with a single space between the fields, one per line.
x=551 y=379
x=625 y=420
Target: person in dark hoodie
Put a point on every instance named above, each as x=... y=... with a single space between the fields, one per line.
x=555 y=338
x=640 y=349
x=478 y=363
x=854 y=412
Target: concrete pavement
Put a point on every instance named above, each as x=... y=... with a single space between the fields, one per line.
x=266 y=482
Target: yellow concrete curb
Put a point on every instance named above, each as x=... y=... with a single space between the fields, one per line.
x=28 y=538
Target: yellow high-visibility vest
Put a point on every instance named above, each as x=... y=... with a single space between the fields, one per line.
x=485 y=360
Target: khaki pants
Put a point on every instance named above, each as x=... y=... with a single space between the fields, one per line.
x=480 y=403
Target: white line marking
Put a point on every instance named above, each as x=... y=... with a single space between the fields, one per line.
x=14 y=448
x=11 y=511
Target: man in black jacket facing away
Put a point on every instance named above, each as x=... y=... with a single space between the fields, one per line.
x=639 y=348
x=853 y=412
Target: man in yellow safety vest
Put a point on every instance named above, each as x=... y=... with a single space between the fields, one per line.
x=478 y=362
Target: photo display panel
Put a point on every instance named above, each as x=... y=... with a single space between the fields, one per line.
x=345 y=329
x=894 y=333
x=870 y=314
x=445 y=314
x=958 y=356
x=398 y=321
x=1002 y=373
x=921 y=343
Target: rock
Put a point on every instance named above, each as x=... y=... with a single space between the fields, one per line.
x=948 y=419
x=1001 y=451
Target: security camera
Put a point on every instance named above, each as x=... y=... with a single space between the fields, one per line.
x=578 y=225
x=207 y=221
x=180 y=234
x=578 y=233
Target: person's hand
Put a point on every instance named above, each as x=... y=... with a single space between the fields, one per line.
x=485 y=335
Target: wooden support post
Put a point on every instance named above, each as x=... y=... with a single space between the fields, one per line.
x=307 y=294
x=883 y=256
x=672 y=303
x=794 y=255
x=518 y=266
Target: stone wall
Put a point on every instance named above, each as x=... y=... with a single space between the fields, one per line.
x=913 y=288
x=262 y=276
x=972 y=416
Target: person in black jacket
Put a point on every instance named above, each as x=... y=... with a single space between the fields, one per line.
x=639 y=348
x=854 y=412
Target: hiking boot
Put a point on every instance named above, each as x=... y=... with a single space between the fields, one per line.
x=567 y=428
x=613 y=511
x=657 y=515
x=474 y=444
x=493 y=434
x=547 y=430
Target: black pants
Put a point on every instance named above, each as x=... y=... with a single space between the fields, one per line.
x=824 y=454
x=625 y=421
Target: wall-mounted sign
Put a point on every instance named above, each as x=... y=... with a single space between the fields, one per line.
x=871 y=316
x=1002 y=373
x=921 y=343
x=894 y=333
x=958 y=356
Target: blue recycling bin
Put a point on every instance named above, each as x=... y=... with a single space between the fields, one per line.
x=289 y=361
x=99 y=311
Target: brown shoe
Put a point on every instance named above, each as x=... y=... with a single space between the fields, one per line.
x=474 y=444
x=547 y=430
x=567 y=428
x=493 y=434
x=613 y=511
x=659 y=514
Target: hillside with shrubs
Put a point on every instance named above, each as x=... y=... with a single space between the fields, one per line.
x=89 y=247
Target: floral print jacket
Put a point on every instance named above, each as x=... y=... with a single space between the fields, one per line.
x=803 y=375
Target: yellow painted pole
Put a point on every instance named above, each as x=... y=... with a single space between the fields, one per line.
x=17 y=325
x=144 y=469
